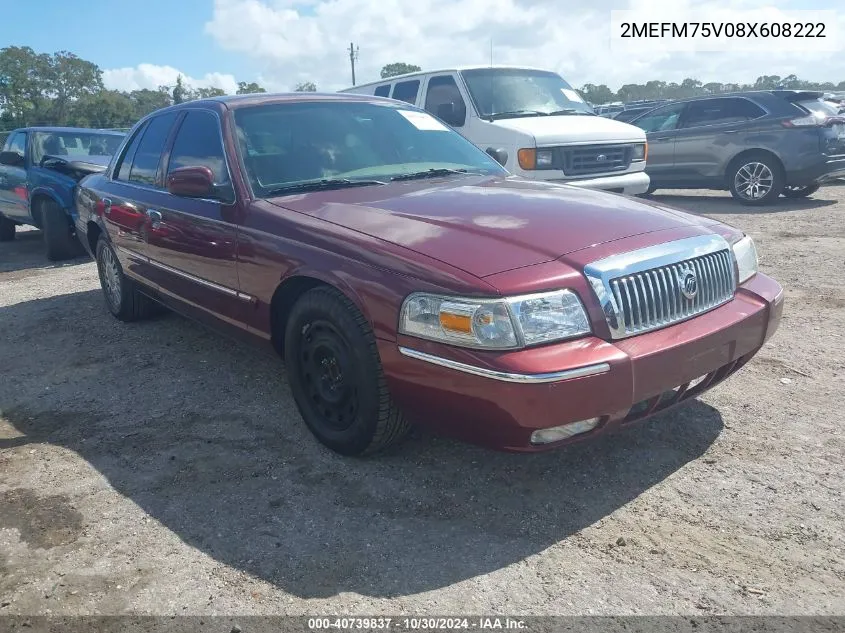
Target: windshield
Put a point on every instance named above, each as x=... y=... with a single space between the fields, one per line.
x=286 y=144
x=74 y=145
x=519 y=92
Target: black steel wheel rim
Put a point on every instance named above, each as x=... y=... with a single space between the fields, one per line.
x=329 y=379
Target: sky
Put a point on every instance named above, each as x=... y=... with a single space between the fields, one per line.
x=279 y=43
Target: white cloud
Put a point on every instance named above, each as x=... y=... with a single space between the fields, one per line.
x=308 y=40
x=152 y=76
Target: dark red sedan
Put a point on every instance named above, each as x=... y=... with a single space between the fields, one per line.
x=405 y=276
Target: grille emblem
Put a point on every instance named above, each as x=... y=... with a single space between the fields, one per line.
x=688 y=281
x=601 y=158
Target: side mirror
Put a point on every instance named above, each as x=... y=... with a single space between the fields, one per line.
x=449 y=113
x=500 y=155
x=12 y=159
x=191 y=182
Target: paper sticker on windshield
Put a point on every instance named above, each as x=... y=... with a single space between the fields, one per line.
x=571 y=95
x=423 y=121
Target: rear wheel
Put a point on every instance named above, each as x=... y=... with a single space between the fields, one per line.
x=58 y=232
x=7 y=230
x=800 y=192
x=756 y=179
x=123 y=297
x=336 y=376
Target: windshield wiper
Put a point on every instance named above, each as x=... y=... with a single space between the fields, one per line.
x=571 y=111
x=431 y=173
x=515 y=113
x=322 y=185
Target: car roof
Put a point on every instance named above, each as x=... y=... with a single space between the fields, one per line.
x=795 y=94
x=87 y=130
x=452 y=69
x=265 y=98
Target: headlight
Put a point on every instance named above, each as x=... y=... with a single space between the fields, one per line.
x=640 y=152
x=494 y=323
x=746 y=258
x=530 y=158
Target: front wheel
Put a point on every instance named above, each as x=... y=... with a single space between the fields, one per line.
x=756 y=180
x=800 y=192
x=7 y=230
x=336 y=377
x=58 y=233
x=123 y=298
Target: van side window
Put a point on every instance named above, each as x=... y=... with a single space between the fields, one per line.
x=443 y=99
x=407 y=91
x=383 y=91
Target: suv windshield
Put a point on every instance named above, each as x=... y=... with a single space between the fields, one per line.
x=515 y=92
x=74 y=145
x=292 y=144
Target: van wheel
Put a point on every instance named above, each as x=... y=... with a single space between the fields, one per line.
x=7 y=230
x=336 y=376
x=123 y=297
x=58 y=233
x=800 y=192
x=756 y=179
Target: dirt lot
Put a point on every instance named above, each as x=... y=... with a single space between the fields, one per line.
x=158 y=468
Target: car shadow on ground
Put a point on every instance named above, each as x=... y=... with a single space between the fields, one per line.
x=27 y=251
x=202 y=434
x=723 y=203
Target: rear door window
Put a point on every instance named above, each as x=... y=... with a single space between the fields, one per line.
x=145 y=163
x=407 y=91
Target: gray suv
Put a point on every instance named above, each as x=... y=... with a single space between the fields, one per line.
x=758 y=145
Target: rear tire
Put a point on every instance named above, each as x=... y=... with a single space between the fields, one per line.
x=123 y=296
x=756 y=179
x=7 y=230
x=336 y=377
x=58 y=232
x=800 y=192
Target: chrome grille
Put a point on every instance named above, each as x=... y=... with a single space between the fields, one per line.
x=593 y=159
x=660 y=285
x=654 y=298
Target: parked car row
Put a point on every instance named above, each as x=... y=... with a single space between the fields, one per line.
x=759 y=145
x=407 y=278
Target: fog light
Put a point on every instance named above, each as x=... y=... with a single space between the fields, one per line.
x=558 y=433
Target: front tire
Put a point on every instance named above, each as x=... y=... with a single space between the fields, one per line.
x=7 y=230
x=336 y=376
x=123 y=297
x=800 y=192
x=756 y=179
x=58 y=233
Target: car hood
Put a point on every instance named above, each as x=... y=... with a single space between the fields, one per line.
x=566 y=129
x=487 y=225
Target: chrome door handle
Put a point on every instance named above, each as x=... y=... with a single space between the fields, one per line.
x=155 y=218
x=107 y=206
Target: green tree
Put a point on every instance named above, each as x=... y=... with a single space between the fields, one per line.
x=23 y=80
x=306 y=86
x=207 y=93
x=180 y=92
x=398 y=68
x=597 y=94
x=145 y=101
x=69 y=78
x=104 y=109
x=245 y=88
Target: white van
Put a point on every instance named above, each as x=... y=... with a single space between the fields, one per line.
x=531 y=120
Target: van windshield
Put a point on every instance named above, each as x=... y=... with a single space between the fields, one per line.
x=500 y=93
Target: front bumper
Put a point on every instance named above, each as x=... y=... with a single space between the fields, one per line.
x=631 y=184
x=499 y=400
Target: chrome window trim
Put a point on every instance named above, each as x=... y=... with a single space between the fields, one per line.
x=181 y=273
x=601 y=272
x=556 y=376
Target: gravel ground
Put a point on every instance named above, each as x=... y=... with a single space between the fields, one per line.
x=158 y=468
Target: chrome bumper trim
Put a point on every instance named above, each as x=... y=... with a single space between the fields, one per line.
x=555 y=376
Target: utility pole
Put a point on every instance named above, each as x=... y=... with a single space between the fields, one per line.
x=353 y=57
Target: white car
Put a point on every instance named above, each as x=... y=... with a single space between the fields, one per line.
x=531 y=120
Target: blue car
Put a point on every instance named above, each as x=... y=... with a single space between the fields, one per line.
x=39 y=170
